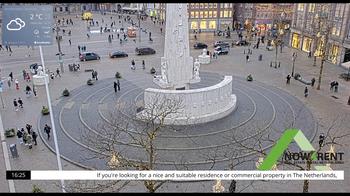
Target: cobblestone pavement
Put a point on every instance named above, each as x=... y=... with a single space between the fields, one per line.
x=323 y=107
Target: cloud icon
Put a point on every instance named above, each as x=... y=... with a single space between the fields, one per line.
x=15 y=25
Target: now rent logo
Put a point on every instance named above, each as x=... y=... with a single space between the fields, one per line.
x=282 y=144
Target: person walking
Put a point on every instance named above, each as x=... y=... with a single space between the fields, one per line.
x=34 y=136
x=247 y=58
x=11 y=76
x=47 y=130
x=306 y=92
x=96 y=75
x=118 y=84
x=24 y=137
x=143 y=65
x=115 y=86
x=29 y=128
x=29 y=140
x=79 y=48
x=15 y=104
x=70 y=42
x=313 y=80
x=133 y=64
x=24 y=73
x=17 y=84
x=28 y=77
x=9 y=82
x=336 y=84
x=19 y=136
x=28 y=90
x=349 y=101
x=20 y=102
x=332 y=86
x=321 y=140
x=288 y=79
x=58 y=72
x=34 y=91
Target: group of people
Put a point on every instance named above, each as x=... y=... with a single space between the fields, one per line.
x=334 y=86
x=132 y=67
x=27 y=137
x=94 y=74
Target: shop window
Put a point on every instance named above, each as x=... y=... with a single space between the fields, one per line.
x=192 y=14
x=229 y=13
x=295 y=40
x=307 y=44
x=194 y=25
x=203 y=25
x=312 y=7
x=197 y=14
x=212 y=24
x=226 y=14
x=333 y=53
x=300 y=7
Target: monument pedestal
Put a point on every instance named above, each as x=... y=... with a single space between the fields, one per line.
x=204 y=59
x=40 y=80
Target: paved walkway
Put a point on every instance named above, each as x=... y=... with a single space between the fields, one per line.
x=322 y=105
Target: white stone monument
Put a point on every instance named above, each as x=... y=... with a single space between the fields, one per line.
x=39 y=78
x=178 y=71
x=204 y=58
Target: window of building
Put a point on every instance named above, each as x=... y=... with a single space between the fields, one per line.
x=205 y=5
x=215 y=5
x=300 y=7
x=197 y=14
x=307 y=44
x=229 y=13
x=210 y=5
x=295 y=40
x=61 y=9
x=226 y=14
x=206 y=14
x=192 y=5
x=339 y=10
x=203 y=24
x=214 y=14
x=201 y=5
x=197 y=5
x=210 y=14
x=212 y=24
x=194 y=25
x=192 y=14
x=221 y=14
x=221 y=5
x=200 y=14
x=230 y=5
x=226 y=5
x=312 y=7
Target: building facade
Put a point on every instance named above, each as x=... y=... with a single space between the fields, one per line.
x=204 y=16
x=305 y=25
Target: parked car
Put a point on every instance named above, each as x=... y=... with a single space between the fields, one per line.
x=242 y=43
x=200 y=46
x=221 y=50
x=221 y=43
x=88 y=56
x=118 y=54
x=144 y=51
x=34 y=67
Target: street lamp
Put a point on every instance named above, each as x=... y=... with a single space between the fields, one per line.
x=294 y=58
x=139 y=16
x=59 y=39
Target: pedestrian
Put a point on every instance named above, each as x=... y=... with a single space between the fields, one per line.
x=313 y=80
x=28 y=90
x=17 y=84
x=93 y=74
x=118 y=84
x=52 y=75
x=29 y=128
x=47 y=130
x=79 y=48
x=309 y=54
x=115 y=86
x=28 y=77
x=58 y=72
x=118 y=35
x=1 y=48
x=133 y=64
x=70 y=42
x=24 y=137
x=321 y=140
x=336 y=84
x=96 y=75
x=288 y=79
x=34 y=136
x=195 y=37
x=332 y=85
x=20 y=136
x=112 y=36
x=20 y=102
x=143 y=65
x=34 y=91
x=161 y=30
x=11 y=75
x=349 y=101
x=247 y=58
x=306 y=92
x=7 y=48
x=24 y=73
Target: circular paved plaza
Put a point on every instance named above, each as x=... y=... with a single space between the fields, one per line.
x=262 y=112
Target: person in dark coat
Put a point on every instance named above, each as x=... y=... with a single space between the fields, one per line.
x=20 y=102
x=306 y=92
x=34 y=136
x=118 y=84
x=47 y=130
x=15 y=104
x=313 y=80
x=115 y=86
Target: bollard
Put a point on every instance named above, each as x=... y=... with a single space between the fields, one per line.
x=270 y=63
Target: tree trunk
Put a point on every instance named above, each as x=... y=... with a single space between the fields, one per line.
x=306 y=182
x=320 y=76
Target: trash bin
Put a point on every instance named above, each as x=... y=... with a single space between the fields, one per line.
x=260 y=57
x=13 y=149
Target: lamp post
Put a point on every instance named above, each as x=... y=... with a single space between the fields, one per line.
x=294 y=58
x=139 y=16
x=59 y=39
